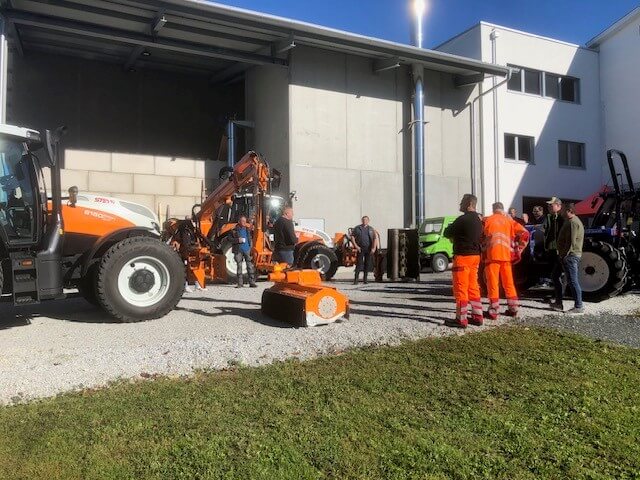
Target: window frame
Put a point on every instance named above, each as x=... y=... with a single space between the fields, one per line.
x=517 y=137
x=583 y=151
x=543 y=85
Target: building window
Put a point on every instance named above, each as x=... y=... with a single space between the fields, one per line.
x=550 y=85
x=532 y=82
x=569 y=89
x=571 y=154
x=518 y=147
x=515 y=82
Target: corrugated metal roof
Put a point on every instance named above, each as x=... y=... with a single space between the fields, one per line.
x=206 y=37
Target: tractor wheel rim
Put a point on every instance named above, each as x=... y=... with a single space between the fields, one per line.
x=593 y=273
x=441 y=264
x=230 y=260
x=157 y=281
x=321 y=262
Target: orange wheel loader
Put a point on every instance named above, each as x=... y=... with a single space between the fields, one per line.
x=110 y=250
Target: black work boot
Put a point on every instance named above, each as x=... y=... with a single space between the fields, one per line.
x=355 y=280
x=365 y=279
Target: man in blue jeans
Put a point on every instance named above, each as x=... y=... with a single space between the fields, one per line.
x=570 y=241
x=241 y=249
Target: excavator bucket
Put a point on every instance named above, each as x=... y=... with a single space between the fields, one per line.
x=299 y=298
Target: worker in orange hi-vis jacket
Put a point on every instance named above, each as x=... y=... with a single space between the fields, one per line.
x=503 y=241
x=466 y=234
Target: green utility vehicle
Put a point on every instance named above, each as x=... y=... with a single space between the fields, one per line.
x=436 y=251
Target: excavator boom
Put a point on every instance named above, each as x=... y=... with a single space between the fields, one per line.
x=250 y=171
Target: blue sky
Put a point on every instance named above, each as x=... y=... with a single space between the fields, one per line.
x=574 y=21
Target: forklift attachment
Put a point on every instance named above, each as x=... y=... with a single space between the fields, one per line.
x=299 y=298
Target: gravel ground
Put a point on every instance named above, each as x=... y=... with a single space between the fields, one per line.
x=620 y=329
x=69 y=345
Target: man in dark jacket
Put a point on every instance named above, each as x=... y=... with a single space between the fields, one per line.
x=284 y=238
x=365 y=240
x=241 y=249
x=552 y=225
x=466 y=234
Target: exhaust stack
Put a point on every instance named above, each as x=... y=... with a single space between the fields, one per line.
x=419 y=8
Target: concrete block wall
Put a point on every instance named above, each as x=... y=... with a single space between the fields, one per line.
x=139 y=136
x=149 y=180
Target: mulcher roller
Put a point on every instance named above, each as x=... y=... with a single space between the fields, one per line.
x=299 y=298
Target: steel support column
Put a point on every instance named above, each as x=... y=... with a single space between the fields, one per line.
x=419 y=7
x=419 y=143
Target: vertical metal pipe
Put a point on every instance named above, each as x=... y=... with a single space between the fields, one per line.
x=472 y=114
x=496 y=139
x=4 y=60
x=231 y=143
x=419 y=8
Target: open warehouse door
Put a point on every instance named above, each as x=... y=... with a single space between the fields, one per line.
x=145 y=88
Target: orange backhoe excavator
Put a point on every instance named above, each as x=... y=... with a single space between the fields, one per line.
x=298 y=296
x=195 y=238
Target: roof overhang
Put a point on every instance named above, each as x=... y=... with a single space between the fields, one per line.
x=199 y=37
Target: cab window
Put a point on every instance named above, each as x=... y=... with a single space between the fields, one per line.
x=17 y=202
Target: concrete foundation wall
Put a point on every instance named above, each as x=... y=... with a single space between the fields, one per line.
x=147 y=136
x=448 y=134
x=351 y=142
x=267 y=104
x=347 y=140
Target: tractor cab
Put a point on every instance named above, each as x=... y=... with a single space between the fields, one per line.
x=30 y=234
x=21 y=195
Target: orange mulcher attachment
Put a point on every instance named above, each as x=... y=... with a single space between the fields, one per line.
x=299 y=298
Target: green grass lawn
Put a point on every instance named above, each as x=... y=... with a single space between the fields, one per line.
x=509 y=403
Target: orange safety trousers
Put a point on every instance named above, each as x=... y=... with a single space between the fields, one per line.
x=466 y=289
x=497 y=273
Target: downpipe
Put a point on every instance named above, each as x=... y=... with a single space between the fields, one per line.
x=496 y=157
x=418 y=123
x=474 y=135
x=419 y=143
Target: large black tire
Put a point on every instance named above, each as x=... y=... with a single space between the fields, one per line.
x=439 y=263
x=320 y=258
x=88 y=283
x=129 y=274
x=603 y=271
x=226 y=247
x=1 y=277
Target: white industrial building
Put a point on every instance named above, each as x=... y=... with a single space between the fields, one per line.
x=146 y=88
x=558 y=115
x=547 y=137
x=618 y=49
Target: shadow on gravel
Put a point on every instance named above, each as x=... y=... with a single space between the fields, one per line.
x=253 y=314
x=7 y=323
x=73 y=309
x=427 y=317
x=218 y=300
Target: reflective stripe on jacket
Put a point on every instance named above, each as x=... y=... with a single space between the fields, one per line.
x=499 y=235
